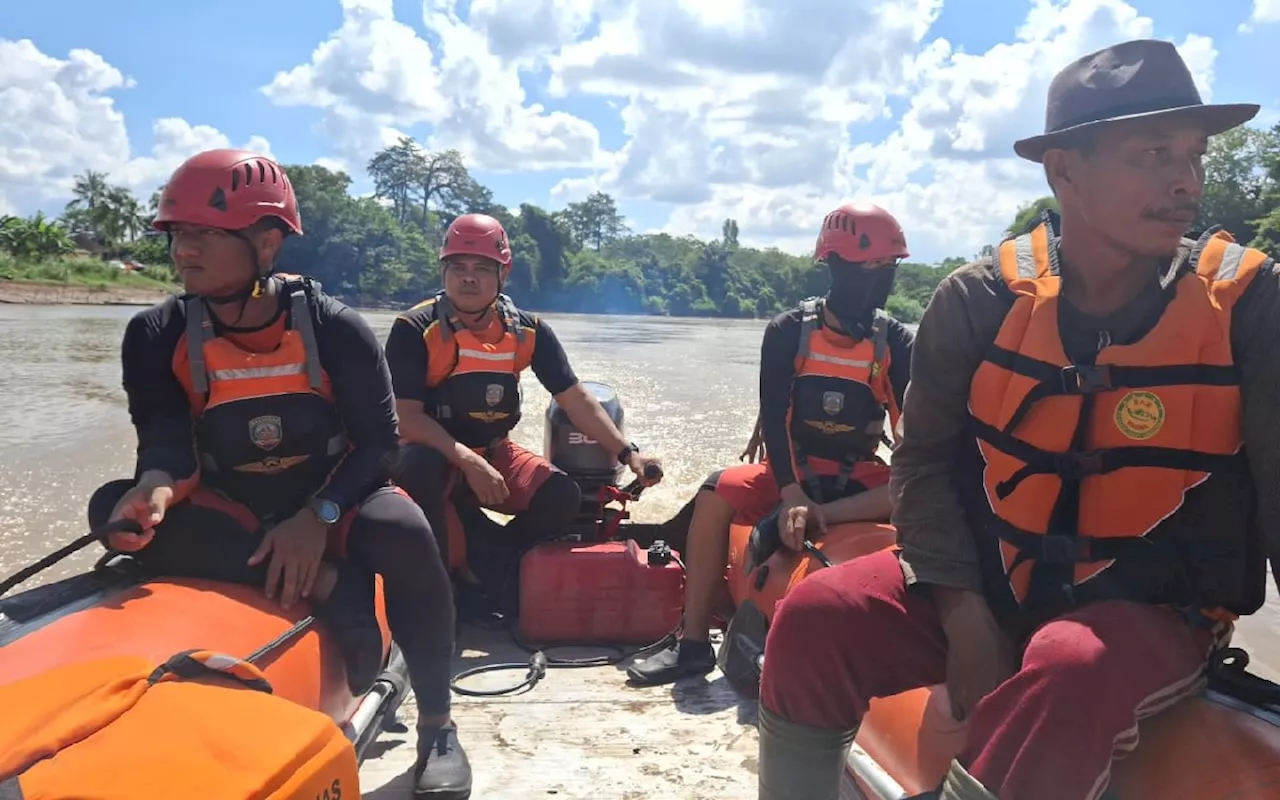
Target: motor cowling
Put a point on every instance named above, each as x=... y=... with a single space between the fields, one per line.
x=584 y=459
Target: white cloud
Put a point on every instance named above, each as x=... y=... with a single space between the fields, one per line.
x=334 y=164
x=773 y=148
x=375 y=73
x=768 y=111
x=60 y=120
x=532 y=30
x=1263 y=13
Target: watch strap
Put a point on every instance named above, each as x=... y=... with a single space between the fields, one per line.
x=625 y=453
x=320 y=506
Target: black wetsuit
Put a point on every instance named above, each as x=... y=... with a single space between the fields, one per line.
x=388 y=534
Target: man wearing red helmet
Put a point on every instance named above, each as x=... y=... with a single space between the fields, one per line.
x=830 y=369
x=456 y=360
x=266 y=428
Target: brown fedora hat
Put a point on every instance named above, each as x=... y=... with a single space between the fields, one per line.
x=1142 y=78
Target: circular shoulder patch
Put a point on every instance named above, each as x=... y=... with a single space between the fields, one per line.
x=1139 y=415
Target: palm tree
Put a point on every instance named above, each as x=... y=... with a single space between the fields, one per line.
x=91 y=190
x=130 y=219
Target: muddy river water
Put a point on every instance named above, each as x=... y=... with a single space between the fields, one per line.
x=688 y=387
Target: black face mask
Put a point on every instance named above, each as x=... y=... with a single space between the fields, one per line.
x=856 y=293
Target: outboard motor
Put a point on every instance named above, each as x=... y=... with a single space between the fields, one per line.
x=592 y=466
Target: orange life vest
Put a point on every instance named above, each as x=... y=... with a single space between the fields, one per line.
x=267 y=430
x=1083 y=461
x=476 y=397
x=838 y=397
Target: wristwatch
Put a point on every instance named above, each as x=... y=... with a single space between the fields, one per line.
x=326 y=511
x=625 y=454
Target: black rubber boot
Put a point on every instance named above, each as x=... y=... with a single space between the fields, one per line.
x=350 y=616
x=798 y=762
x=475 y=606
x=681 y=660
x=443 y=771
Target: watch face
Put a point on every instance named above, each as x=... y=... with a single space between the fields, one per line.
x=327 y=510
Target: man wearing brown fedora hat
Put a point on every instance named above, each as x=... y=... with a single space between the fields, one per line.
x=1078 y=524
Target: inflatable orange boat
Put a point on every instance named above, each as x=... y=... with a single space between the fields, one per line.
x=1221 y=745
x=110 y=611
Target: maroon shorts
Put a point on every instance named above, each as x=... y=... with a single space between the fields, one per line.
x=752 y=490
x=524 y=472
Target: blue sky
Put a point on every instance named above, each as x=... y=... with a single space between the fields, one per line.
x=830 y=128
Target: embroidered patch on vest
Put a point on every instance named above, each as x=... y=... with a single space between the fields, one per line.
x=1139 y=415
x=832 y=402
x=266 y=432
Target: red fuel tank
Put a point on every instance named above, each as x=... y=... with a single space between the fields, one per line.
x=606 y=592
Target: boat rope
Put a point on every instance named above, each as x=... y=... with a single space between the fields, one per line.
x=99 y=534
x=297 y=628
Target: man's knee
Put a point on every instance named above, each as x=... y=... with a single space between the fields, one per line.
x=559 y=490
x=836 y=604
x=710 y=504
x=802 y=641
x=1067 y=656
x=389 y=514
x=104 y=500
x=710 y=483
x=816 y=605
x=422 y=472
x=391 y=525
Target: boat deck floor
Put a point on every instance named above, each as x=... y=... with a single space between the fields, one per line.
x=583 y=733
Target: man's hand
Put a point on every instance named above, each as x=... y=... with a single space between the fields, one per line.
x=485 y=481
x=296 y=547
x=145 y=504
x=641 y=464
x=795 y=505
x=797 y=523
x=979 y=655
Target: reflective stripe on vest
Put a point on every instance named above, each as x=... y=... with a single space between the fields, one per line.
x=200 y=330
x=472 y=355
x=225 y=373
x=491 y=408
x=865 y=362
x=1154 y=418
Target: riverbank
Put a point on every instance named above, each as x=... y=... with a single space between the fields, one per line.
x=63 y=294
x=81 y=281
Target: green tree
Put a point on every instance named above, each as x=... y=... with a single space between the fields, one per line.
x=1240 y=180
x=730 y=234
x=1028 y=215
x=596 y=221
x=384 y=249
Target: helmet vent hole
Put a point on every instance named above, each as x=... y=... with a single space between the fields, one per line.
x=235 y=180
x=262 y=173
x=218 y=199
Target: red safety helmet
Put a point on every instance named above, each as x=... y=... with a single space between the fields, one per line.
x=859 y=232
x=477 y=235
x=229 y=189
